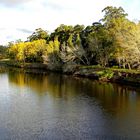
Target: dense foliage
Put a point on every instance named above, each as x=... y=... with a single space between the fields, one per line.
x=114 y=40
x=3 y=52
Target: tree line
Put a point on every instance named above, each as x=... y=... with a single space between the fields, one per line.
x=112 y=41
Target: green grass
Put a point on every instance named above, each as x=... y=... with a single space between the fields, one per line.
x=108 y=74
x=91 y=67
x=115 y=68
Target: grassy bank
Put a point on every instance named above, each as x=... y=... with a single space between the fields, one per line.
x=15 y=64
x=125 y=76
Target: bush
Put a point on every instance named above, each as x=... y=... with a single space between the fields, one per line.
x=108 y=74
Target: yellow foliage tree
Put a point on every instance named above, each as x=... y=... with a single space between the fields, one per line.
x=52 y=52
x=28 y=51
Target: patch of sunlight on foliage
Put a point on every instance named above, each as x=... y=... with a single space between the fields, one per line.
x=27 y=51
x=105 y=74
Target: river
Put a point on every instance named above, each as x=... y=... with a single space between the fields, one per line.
x=58 y=107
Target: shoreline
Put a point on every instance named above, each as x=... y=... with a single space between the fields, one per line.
x=113 y=75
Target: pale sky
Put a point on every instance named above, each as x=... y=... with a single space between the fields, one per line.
x=19 y=18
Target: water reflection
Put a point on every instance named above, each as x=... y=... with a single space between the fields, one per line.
x=2 y=69
x=113 y=97
x=55 y=106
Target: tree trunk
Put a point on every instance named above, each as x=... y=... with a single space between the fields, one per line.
x=129 y=67
x=124 y=65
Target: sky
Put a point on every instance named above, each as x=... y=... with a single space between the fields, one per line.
x=20 y=18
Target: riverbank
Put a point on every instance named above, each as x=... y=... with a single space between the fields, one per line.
x=125 y=76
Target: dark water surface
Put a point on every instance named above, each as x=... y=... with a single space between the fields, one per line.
x=54 y=107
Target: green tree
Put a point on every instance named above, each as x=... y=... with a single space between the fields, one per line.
x=123 y=33
x=62 y=32
x=99 y=45
x=3 y=51
x=39 y=34
x=51 y=57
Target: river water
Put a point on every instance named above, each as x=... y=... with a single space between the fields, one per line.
x=53 y=106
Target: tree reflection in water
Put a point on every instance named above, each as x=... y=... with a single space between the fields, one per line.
x=114 y=98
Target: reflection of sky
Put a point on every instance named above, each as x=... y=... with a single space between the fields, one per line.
x=56 y=106
x=4 y=86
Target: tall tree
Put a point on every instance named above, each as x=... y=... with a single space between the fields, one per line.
x=62 y=32
x=123 y=34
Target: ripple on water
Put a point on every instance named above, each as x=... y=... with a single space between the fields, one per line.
x=60 y=107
